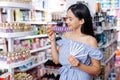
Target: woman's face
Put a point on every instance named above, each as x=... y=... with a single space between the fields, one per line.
x=72 y=21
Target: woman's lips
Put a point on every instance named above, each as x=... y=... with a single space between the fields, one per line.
x=68 y=25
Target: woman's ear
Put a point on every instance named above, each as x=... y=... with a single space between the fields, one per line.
x=82 y=21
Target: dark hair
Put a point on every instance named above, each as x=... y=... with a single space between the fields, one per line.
x=81 y=11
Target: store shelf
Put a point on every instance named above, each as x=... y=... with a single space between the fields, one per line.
x=40 y=9
x=100 y=44
x=113 y=54
x=108 y=44
x=40 y=49
x=15 y=34
x=14 y=65
x=52 y=23
x=4 y=75
x=32 y=22
x=107 y=61
x=98 y=32
x=33 y=66
x=105 y=28
x=106 y=77
x=37 y=22
x=33 y=36
x=15 y=5
x=56 y=70
x=109 y=28
x=112 y=8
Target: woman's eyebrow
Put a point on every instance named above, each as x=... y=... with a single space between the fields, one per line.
x=69 y=17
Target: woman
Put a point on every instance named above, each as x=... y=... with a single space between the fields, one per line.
x=87 y=60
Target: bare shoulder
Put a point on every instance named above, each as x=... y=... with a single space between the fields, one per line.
x=92 y=41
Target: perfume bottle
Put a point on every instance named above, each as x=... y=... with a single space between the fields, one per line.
x=61 y=29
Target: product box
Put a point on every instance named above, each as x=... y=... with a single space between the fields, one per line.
x=5 y=76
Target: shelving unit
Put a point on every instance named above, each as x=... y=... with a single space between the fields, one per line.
x=106 y=4
x=15 y=34
x=12 y=12
x=108 y=62
x=113 y=54
x=29 y=37
x=11 y=66
x=113 y=6
x=39 y=9
x=10 y=6
x=14 y=65
x=40 y=49
x=37 y=22
x=15 y=5
x=107 y=43
x=32 y=66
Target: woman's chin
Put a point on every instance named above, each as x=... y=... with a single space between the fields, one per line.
x=70 y=28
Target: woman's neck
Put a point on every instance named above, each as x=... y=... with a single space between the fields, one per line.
x=77 y=33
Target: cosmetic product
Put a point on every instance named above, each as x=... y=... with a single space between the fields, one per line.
x=61 y=29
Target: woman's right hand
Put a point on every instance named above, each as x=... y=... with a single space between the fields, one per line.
x=51 y=34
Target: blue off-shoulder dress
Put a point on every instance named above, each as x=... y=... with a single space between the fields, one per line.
x=68 y=72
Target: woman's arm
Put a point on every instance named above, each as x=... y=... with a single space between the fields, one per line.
x=93 y=69
x=54 y=49
x=55 y=52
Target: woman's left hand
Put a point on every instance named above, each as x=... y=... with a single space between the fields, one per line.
x=73 y=61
